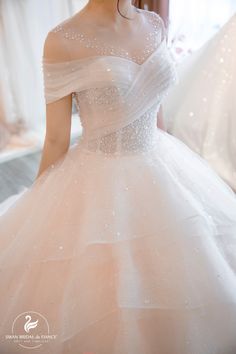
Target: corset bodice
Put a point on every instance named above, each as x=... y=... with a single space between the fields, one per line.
x=117 y=98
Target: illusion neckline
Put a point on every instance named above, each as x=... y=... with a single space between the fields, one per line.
x=116 y=57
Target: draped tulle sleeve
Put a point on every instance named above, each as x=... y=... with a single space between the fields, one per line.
x=62 y=78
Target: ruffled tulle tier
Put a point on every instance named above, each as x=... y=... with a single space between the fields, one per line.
x=125 y=254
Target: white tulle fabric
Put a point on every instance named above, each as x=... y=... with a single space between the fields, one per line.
x=201 y=110
x=127 y=245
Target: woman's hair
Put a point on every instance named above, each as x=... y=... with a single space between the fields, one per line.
x=134 y=3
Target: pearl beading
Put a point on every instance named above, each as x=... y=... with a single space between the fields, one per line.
x=151 y=41
x=101 y=96
x=138 y=136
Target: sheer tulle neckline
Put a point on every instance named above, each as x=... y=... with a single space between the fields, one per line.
x=116 y=57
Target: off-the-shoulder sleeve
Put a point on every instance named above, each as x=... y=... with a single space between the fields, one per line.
x=62 y=79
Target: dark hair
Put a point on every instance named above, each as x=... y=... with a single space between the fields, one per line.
x=134 y=3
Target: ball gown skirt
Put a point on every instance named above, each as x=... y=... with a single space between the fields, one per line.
x=127 y=245
x=129 y=254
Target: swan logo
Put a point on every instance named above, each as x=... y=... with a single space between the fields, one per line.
x=30 y=330
x=28 y=325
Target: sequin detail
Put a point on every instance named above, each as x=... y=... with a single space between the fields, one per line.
x=101 y=96
x=139 y=136
x=117 y=101
x=151 y=41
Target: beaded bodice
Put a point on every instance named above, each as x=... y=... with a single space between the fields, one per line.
x=117 y=92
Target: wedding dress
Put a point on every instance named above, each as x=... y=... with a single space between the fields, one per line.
x=127 y=245
x=201 y=110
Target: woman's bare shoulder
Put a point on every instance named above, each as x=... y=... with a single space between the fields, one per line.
x=78 y=21
x=56 y=46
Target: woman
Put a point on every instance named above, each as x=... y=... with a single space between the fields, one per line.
x=126 y=242
x=201 y=110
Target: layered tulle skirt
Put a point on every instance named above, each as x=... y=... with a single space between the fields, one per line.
x=121 y=254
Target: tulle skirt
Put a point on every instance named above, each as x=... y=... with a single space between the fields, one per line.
x=121 y=254
x=201 y=109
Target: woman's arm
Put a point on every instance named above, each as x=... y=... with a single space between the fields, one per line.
x=58 y=113
x=58 y=129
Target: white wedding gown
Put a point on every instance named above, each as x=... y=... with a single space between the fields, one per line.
x=201 y=111
x=128 y=244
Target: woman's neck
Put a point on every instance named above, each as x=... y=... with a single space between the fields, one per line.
x=108 y=9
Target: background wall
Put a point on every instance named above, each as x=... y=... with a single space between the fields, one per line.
x=24 y=25
x=193 y=22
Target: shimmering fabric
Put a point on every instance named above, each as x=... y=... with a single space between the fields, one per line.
x=201 y=110
x=97 y=46
x=127 y=245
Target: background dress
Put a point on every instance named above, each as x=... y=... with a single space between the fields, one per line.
x=201 y=110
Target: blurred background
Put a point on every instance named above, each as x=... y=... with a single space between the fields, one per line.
x=24 y=25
